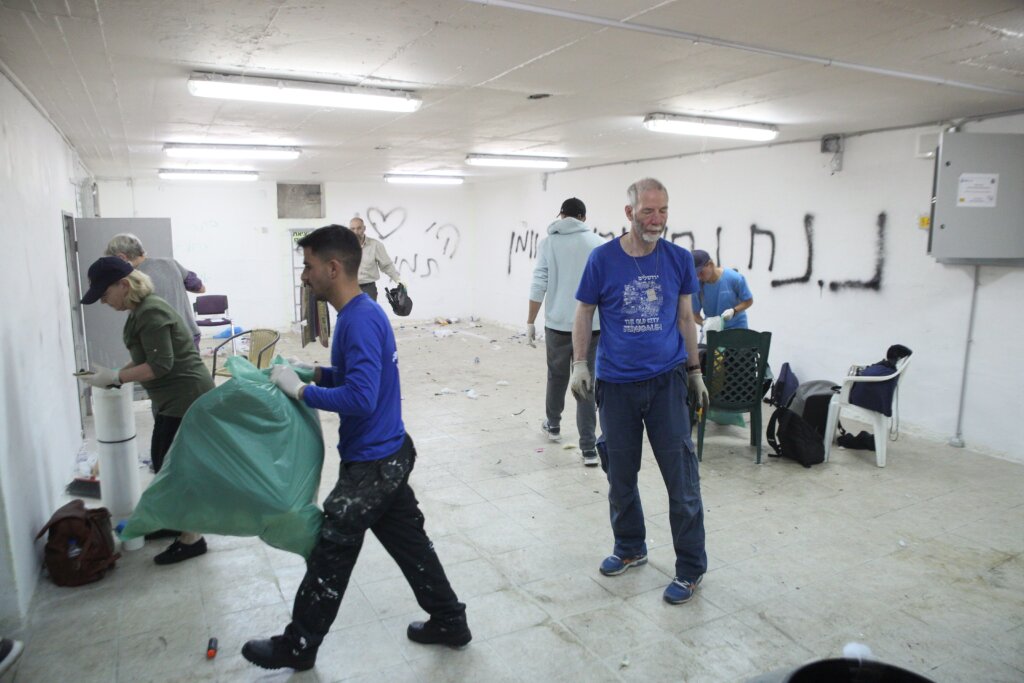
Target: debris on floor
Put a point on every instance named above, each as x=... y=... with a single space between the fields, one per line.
x=625 y=662
x=441 y=334
x=520 y=412
x=471 y=393
x=569 y=447
x=538 y=450
x=444 y=392
x=502 y=383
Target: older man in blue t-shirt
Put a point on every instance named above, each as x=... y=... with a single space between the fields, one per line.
x=641 y=285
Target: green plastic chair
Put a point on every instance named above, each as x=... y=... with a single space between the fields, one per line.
x=734 y=372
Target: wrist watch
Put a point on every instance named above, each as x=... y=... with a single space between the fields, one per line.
x=692 y=368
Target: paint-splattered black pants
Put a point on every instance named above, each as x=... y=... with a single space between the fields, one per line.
x=373 y=496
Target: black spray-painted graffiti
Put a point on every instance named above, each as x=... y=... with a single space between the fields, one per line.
x=430 y=265
x=387 y=223
x=382 y=222
x=754 y=231
x=685 y=233
x=525 y=243
x=809 y=236
x=450 y=234
x=875 y=282
x=610 y=235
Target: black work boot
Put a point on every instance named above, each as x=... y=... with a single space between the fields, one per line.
x=278 y=653
x=435 y=632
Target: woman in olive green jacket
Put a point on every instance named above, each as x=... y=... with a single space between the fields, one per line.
x=163 y=359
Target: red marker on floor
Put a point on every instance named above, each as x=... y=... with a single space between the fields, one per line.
x=211 y=648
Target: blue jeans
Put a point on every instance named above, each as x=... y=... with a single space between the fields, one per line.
x=659 y=404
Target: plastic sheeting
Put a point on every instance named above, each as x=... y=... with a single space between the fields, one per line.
x=246 y=462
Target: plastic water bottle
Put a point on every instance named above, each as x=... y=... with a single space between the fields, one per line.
x=73 y=549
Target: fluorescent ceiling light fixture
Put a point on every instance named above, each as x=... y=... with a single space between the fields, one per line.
x=402 y=178
x=317 y=94
x=515 y=161
x=201 y=151
x=186 y=174
x=712 y=128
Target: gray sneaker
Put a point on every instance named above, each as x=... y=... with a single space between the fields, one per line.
x=590 y=458
x=554 y=433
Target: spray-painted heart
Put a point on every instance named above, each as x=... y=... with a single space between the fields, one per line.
x=379 y=221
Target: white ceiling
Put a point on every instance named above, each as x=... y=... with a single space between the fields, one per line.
x=112 y=75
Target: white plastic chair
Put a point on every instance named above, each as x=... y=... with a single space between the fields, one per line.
x=880 y=422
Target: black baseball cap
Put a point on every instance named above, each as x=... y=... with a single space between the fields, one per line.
x=103 y=273
x=700 y=258
x=573 y=208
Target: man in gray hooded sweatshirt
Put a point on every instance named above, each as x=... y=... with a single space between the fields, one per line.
x=560 y=261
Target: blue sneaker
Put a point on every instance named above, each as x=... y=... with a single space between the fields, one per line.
x=681 y=590
x=614 y=565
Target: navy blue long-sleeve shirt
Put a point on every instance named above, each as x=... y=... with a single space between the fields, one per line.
x=362 y=385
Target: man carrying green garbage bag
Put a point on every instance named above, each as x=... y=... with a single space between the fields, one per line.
x=377 y=456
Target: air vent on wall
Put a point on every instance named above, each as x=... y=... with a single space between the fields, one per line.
x=300 y=200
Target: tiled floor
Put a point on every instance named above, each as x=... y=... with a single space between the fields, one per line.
x=922 y=560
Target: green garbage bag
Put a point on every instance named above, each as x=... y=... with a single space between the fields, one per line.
x=246 y=462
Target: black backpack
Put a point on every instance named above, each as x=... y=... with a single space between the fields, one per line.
x=810 y=401
x=791 y=436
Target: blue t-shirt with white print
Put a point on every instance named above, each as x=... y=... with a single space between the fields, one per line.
x=716 y=297
x=362 y=384
x=638 y=299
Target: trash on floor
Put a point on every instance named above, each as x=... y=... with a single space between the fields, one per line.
x=441 y=334
x=625 y=662
x=444 y=392
x=569 y=447
x=502 y=383
x=520 y=412
x=471 y=393
x=538 y=450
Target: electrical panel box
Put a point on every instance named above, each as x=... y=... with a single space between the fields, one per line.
x=978 y=200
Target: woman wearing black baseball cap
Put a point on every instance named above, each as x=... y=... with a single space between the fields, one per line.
x=164 y=360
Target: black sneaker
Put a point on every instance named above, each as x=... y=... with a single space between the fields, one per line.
x=554 y=433
x=162 y=533
x=278 y=653
x=179 y=552
x=10 y=650
x=433 y=632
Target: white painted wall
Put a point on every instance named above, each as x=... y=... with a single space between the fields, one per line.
x=230 y=235
x=39 y=423
x=921 y=303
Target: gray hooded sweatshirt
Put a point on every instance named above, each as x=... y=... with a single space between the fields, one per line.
x=561 y=258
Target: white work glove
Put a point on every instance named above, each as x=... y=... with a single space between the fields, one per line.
x=695 y=384
x=727 y=314
x=580 y=383
x=531 y=334
x=713 y=324
x=286 y=380
x=101 y=377
x=305 y=371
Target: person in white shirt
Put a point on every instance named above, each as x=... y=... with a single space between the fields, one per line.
x=375 y=259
